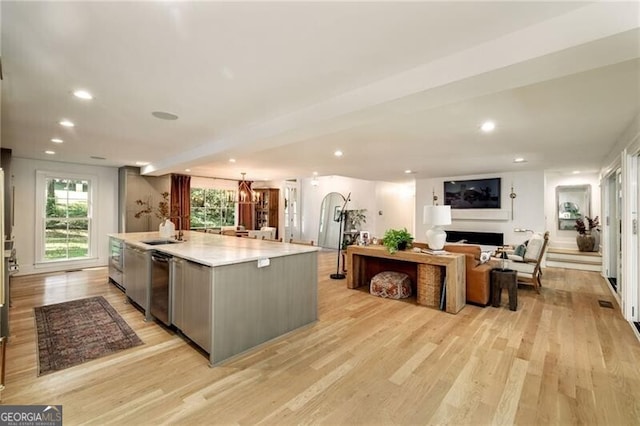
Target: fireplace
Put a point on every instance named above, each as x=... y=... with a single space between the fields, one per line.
x=480 y=238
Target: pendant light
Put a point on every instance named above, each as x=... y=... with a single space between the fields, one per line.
x=245 y=194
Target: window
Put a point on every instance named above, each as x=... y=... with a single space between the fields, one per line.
x=64 y=229
x=212 y=208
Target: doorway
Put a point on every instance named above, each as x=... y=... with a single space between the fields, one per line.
x=613 y=223
x=291 y=213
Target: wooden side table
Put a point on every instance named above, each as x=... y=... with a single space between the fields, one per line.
x=504 y=278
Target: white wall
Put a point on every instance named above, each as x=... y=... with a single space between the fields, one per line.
x=567 y=239
x=213 y=183
x=629 y=140
x=395 y=201
x=528 y=206
x=395 y=208
x=105 y=211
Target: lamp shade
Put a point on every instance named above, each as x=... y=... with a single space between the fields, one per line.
x=437 y=215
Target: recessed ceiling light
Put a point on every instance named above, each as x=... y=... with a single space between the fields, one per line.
x=164 y=115
x=408 y=171
x=488 y=126
x=187 y=170
x=519 y=160
x=232 y=160
x=66 y=123
x=82 y=94
x=575 y=172
x=142 y=163
x=57 y=140
x=315 y=173
x=49 y=152
x=338 y=153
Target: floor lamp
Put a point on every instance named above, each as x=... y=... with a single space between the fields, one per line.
x=340 y=219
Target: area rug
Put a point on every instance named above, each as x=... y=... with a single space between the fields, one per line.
x=74 y=332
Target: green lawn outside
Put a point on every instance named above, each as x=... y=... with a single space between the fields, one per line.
x=63 y=244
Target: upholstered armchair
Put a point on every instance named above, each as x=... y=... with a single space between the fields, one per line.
x=529 y=264
x=268 y=232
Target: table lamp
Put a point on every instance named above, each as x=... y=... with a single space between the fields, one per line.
x=436 y=216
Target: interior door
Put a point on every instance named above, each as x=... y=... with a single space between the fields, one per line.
x=618 y=231
x=612 y=225
x=634 y=229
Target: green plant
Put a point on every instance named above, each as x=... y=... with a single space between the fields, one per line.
x=394 y=239
x=584 y=229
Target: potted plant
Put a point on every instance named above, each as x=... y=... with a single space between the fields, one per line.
x=396 y=239
x=166 y=228
x=585 y=239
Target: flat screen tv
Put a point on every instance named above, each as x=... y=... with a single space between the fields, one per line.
x=472 y=194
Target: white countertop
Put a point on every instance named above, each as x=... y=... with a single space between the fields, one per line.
x=214 y=249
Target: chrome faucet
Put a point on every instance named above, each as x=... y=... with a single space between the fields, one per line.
x=180 y=233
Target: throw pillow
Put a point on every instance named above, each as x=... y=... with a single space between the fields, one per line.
x=519 y=251
x=485 y=256
x=533 y=249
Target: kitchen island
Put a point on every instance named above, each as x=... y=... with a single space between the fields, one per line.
x=228 y=294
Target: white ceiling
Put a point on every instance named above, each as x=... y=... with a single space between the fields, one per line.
x=280 y=86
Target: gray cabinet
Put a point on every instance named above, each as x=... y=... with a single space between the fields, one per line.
x=136 y=275
x=191 y=307
x=177 y=292
x=116 y=261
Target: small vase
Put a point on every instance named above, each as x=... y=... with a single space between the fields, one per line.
x=402 y=245
x=585 y=242
x=167 y=229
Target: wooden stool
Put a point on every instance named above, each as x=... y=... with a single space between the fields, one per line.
x=501 y=278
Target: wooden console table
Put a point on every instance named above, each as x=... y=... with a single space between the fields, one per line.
x=363 y=262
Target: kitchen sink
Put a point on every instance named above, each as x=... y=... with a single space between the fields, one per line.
x=160 y=242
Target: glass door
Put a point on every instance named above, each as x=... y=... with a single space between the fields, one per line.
x=291 y=214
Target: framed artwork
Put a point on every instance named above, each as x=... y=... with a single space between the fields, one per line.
x=337 y=212
x=364 y=237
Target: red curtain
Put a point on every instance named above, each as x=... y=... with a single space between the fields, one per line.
x=245 y=210
x=181 y=201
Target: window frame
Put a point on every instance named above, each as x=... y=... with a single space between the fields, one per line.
x=205 y=189
x=41 y=218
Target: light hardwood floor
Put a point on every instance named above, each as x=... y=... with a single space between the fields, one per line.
x=559 y=359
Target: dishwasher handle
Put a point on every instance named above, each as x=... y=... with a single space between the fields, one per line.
x=159 y=258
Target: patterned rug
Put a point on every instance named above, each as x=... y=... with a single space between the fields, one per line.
x=71 y=333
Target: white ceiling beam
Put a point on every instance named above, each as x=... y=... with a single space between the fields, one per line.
x=579 y=27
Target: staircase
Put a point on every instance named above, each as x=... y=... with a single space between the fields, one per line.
x=574 y=259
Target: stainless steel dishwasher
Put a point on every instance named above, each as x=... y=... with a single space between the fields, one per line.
x=160 y=287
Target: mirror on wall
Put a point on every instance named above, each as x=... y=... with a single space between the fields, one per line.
x=573 y=202
x=329 y=230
